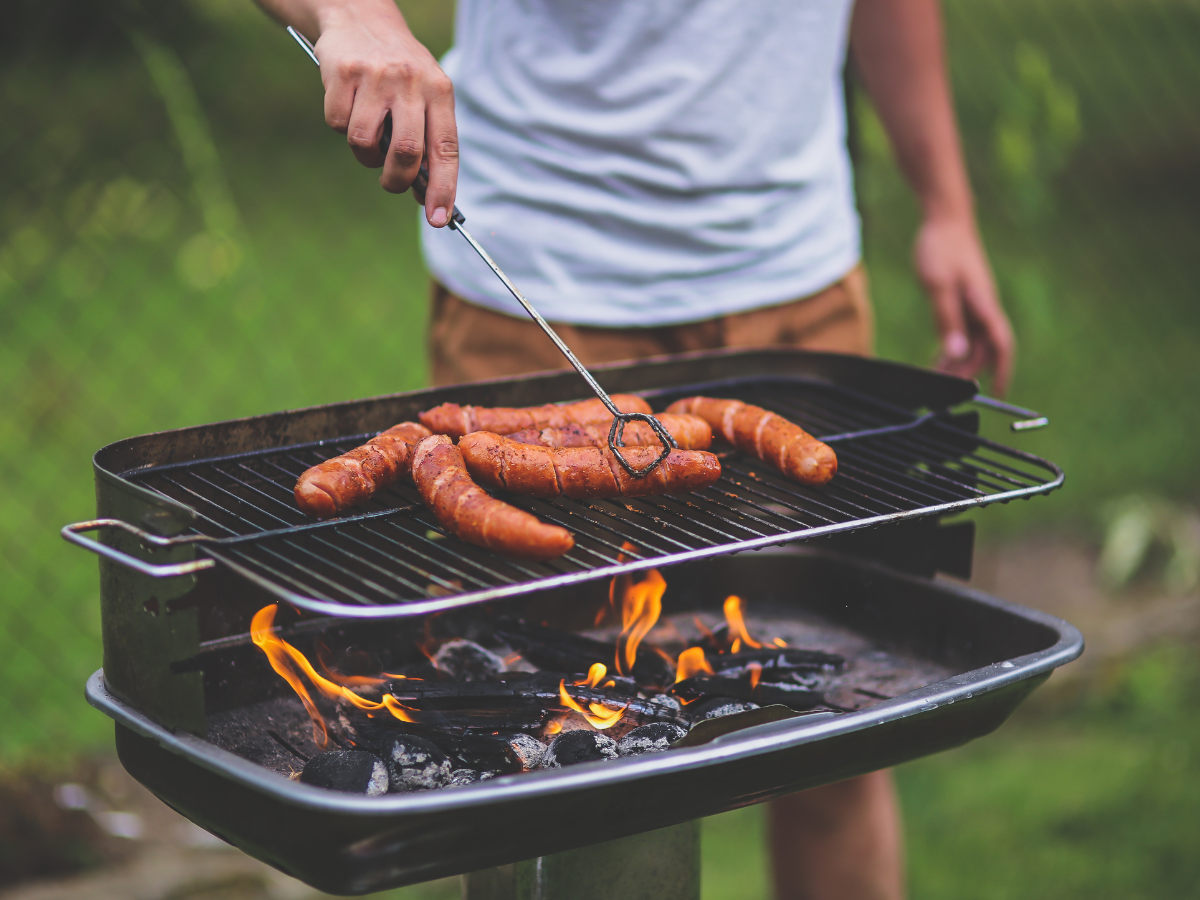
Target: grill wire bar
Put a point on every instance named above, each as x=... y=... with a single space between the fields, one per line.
x=393 y=559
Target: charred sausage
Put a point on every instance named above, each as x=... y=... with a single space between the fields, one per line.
x=690 y=433
x=772 y=438
x=455 y=420
x=352 y=478
x=471 y=514
x=582 y=473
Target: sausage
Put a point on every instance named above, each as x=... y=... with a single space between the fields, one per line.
x=690 y=433
x=582 y=473
x=471 y=514
x=455 y=420
x=770 y=437
x=352 y=478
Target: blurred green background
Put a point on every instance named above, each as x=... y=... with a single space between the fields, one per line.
x=182 y=240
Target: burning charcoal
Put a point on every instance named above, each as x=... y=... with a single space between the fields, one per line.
x=528 y=749
x=415 y=764
x=775 y=660
x=653 y=738
x=787 y=693
x=462 y=776
x=668 y=701
x=519 y=700
x=563 y=651
x=467 y=661
x=499 y=753
x=716 y=707
x=355 y=771
x=573 y=747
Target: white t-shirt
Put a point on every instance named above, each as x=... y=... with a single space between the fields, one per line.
x=634 y=163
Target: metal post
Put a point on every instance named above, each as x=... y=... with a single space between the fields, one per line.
x=657 y=865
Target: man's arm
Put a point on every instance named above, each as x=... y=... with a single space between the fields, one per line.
x=372 y=66
x=898 y=50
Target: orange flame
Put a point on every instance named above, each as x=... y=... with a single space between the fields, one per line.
x=755 y=674
x=640 y=609
x=737 y=625
x=625 y=581
x=286 y=659
x=324 y=664
x=692 y=661
x=597 y=714
x=595 y=675
x=554 y=726
x=779 y=642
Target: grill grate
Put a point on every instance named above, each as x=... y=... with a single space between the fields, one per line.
x=392 y=558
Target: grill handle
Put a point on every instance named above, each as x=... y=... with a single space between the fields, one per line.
x=1029 y=419
x=72 y=533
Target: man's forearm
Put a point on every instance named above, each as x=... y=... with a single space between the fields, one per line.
x=898 y=50
x=309 y=17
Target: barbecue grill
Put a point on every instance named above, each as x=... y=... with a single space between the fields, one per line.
x=198 y=530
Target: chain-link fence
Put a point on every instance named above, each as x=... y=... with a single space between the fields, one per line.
x=182 y=240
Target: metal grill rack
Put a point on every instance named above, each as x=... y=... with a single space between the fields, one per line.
x=391 y=558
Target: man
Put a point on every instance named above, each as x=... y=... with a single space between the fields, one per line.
x=669 y=176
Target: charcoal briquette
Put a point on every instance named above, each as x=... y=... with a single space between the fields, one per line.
x=528 y=749
x=668 y=701
x=653 y=738
x=463 y=776
x=715 y=707
x=467 y=661
x=578 y=746
x=415 y=764
x=354 y=771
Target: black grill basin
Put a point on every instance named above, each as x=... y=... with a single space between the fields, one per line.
x=994 y=653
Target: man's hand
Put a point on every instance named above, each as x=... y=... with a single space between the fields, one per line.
x=974 y=331
x=373 y=68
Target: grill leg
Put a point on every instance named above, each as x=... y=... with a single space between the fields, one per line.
x=663 y=865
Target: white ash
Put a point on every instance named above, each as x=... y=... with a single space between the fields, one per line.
x=573 y=747
x=467 y=661
x=462 y=776
x=668 y=701
x=415 y=764
x=657 y=737
x=728 y=708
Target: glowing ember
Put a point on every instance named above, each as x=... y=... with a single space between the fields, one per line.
x=691 y=662
x=597 y=714
x=286 y=660
x=640 y=609
x=779 y=642
x=737 y=625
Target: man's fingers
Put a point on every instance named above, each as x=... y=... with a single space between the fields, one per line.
x=951 y=324
x=441 y=150
x=339 y=101
x=407 y=147
x=366 y=127
x=992 y=329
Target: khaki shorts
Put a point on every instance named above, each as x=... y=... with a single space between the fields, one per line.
x=470 y=343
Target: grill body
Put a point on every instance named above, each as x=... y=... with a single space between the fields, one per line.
x=342 y=844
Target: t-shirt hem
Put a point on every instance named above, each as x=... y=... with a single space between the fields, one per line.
x=772 y=292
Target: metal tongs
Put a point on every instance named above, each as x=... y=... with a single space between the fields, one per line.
x=616 y=434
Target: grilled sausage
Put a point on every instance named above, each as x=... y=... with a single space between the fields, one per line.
x=690 y=433
x=582 y=473
x=471 y=514
x=772 y=438
x=352 y=478
x=455 y=420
